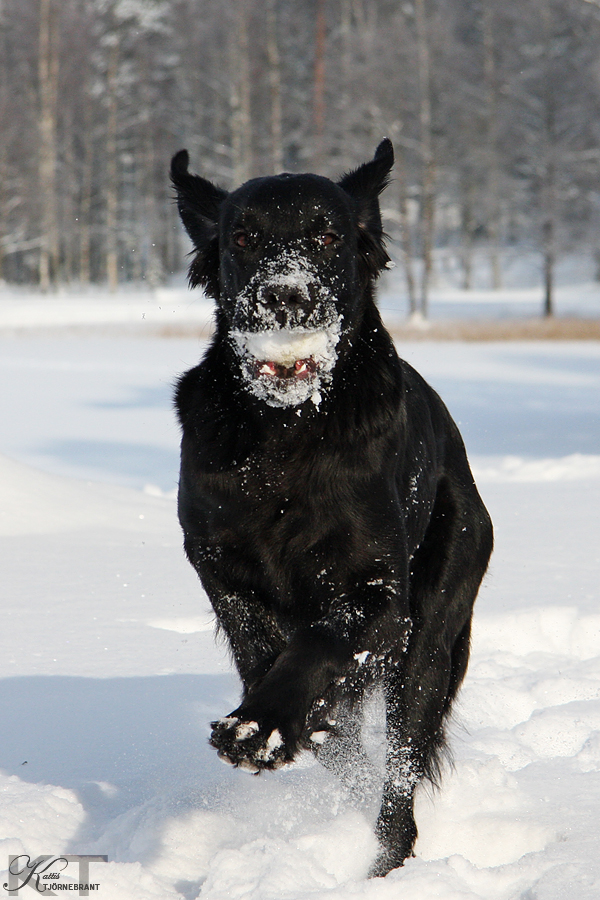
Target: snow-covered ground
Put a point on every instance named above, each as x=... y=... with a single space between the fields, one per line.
x=109 y=672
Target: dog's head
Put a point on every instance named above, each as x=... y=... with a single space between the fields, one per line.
x=290 y=260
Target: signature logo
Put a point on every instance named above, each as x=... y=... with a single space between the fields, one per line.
x=43 y=874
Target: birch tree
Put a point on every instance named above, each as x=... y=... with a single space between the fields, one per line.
x=493 y=108
x=48 y=62
x=274 y=58
x=240 y=94
x=427 y=154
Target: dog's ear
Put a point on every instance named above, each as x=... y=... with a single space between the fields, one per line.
x=364 y=185
x=199 y=202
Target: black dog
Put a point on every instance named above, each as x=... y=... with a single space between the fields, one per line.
x=325 y=495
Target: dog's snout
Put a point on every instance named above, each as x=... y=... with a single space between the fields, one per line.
x=292 y=297
x=287 y=303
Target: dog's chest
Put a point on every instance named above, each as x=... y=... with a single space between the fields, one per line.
x=285 y=510
x=277 y=498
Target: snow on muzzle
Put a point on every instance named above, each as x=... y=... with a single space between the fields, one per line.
x=288 y=352
x=287 y=366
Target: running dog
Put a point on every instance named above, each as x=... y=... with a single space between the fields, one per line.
x=325 y=496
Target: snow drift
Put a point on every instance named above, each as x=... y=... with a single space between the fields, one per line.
x=110 y=671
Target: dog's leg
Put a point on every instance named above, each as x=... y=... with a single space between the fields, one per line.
x=276 y=709
x=415 y=702
x=251 y=628
x=446 y=574
x=418 y=698
x=286 y=675
x=252 y=633
x=255 y=640
x=256 y=643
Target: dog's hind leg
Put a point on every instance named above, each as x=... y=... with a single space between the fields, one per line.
x=445 y=575
x=418 y=699
x=414 y=735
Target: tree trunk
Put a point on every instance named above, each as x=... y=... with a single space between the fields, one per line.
x=154 y=264
x=549 y=189
x=241 y=123
x=112 y=168
x=346 y=64
x=4 y=93
x=467 y=234
x=493 y=162
x=4 y=225
x=406 y=233
x=275 y=87
x=319 y=85
x=85 y=207
x=550 y=216
x=549 y=262
x=68 y=209
x=48 y=90
x=427 y=158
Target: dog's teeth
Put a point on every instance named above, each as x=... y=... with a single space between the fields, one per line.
x=300 y=366
x=267 y=368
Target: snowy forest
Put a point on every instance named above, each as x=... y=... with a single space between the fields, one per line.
x=493 y=107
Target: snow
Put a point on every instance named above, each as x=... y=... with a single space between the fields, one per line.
x=22 y=309
x=286 y=345
x=576 y=293
x=110 y=674
x=311 y=350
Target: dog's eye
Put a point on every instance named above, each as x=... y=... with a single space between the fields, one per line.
x=329 y=238
x=240 y=239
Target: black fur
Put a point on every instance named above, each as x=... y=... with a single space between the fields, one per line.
x=328 y=508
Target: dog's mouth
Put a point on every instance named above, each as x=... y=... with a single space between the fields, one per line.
x=287 y=355
x=301 y=369
x=286 y=367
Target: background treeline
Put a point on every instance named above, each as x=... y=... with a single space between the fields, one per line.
x=493 y=106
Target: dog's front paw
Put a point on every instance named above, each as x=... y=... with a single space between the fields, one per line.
x=245 y=743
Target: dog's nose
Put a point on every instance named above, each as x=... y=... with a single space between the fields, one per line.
x=291 y=297
x=289 y=303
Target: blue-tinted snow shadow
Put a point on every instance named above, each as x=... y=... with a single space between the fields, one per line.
x=129 y=464
x=135 y=752
x=543 y=422
x=116 y=741
x=554 y=411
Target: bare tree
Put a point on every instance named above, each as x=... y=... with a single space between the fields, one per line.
x=112 y=162
x=275 y=85
x=427 y=156
x=494 y=114
x=492 y=155
x=240 y=82
x=319 y=83
x=406 y=231
x=48 y=62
